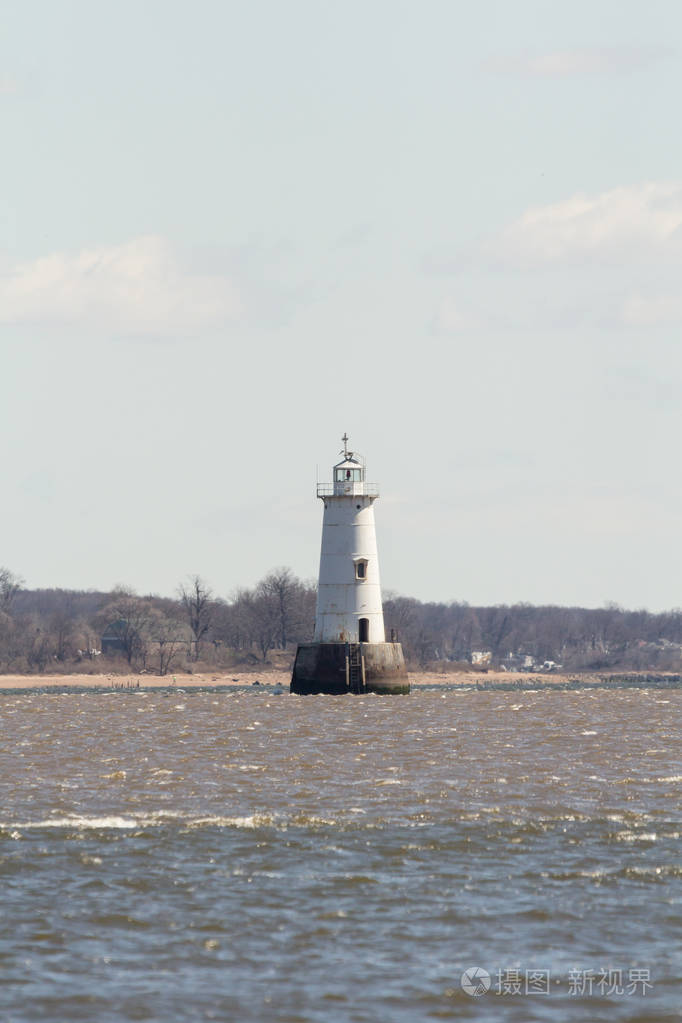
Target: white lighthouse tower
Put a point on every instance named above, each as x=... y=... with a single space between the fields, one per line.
x=349 y=591
x=349 y=652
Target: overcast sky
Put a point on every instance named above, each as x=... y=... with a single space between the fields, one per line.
x=230 y=231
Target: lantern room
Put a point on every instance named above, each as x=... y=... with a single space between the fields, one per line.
x=349 y=471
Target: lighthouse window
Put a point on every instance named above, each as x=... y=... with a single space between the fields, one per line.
x=348 y=475
x=360 y=569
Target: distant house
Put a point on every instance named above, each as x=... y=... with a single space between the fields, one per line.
x=482 y=658
x=519 y=662
x=114 y=638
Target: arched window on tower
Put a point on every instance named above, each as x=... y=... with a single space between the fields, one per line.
x=361 y=568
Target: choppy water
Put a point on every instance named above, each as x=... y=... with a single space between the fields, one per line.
x=246 y=856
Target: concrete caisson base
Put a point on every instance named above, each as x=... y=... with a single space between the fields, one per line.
x=328 y=668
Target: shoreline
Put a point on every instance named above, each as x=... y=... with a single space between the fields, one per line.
x=216 y=682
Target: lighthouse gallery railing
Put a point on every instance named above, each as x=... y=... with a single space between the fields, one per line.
x=347 y=489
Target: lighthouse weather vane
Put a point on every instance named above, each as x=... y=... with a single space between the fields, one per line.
x=345 y=445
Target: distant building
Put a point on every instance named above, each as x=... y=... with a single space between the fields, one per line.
x=114 y=637
x=519 y=662
x=482 y=658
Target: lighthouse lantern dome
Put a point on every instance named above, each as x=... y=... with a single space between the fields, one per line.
x=350 y=470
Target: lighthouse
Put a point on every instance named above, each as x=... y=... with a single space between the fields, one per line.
x=349 y=652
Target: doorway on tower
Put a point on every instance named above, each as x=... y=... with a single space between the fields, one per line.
x=363 y=630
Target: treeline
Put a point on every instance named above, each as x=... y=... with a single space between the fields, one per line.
x=69 y=630
x=524 y=637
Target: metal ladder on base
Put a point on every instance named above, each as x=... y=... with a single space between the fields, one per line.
x=356 y=683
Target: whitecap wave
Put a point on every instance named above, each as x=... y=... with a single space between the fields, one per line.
x=79 y=822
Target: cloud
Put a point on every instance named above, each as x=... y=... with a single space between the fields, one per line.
x=583 y=60
x=642 y=310
x=8 y=85
x=450 y=318
x=571 y=304
x=610 y=259
x=653 y=388
x=139 y=287
x=625 y=222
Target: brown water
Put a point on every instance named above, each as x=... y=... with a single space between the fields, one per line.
x=250 y=856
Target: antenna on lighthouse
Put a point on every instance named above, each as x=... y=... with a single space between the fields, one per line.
x=345 y=445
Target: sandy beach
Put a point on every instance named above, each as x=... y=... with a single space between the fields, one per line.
x=282 y=678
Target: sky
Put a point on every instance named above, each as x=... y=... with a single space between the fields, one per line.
x=231 y=231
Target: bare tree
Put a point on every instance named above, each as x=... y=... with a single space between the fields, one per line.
x=256 y=612
x=62 y=625
x=166 y=634
x=40 y=648
x=197 y=600
x=10 y=584
x=12 y=642
x=284 y=591
x=130 y=616
x=229 y=627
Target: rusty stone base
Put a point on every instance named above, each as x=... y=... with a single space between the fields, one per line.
x=324 y=668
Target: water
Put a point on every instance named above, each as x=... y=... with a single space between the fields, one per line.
x=246 y=856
